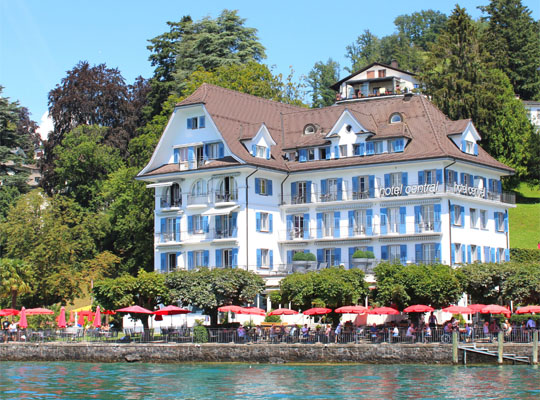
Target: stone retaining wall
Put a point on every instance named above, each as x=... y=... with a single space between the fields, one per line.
x=254 y=353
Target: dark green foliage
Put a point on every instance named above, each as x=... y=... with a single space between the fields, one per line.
x=421 y=28
x=272 y=318
x=319 y=79
x=525 y=255
x=200 y=334
x=301 y=256
x=363 y=51
x=363 y=254
x=435 y=284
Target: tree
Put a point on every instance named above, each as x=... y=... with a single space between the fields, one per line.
x=435 y=284
x=146 y=290
x=523 y=284
x=363 y=51
x=320 y=78
x=421 y=28
x=14 y=279
x=83 y=162
x=209 y=289
x=512 y=38
x=484 y=281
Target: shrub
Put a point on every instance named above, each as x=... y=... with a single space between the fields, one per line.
x=301 y=256
x=525 y=255
x=272 y=318
x=363 y=254
x=200 y=334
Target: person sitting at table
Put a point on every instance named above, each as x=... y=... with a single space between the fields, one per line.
x=411 y=332
x=395 y=331
x=374 y=332
x=338 y=331
x=305 y=332
x=241 y=334
x=427 y=333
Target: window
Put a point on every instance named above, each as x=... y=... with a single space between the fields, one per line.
x=457 y=215
x=172 y=262
x=227 y=260
x=301 y=194
x=212 y=150
x=451 y=177
x=363 y=188
x=198 y=226
x=395 y=179
x=329 y=257
x=395 y=118
x=261 y=151
x=261 y=186
x=360 y=222
x=378 y=146
x=297 y=226
x=225 y=226
x=381 y=73
x=393 y=220
x=483 y=219
x=466 y=179
x=474 y=218
x=198 y=259
x=428 y=253
x=323 y=153
x=499 y=221
x=309 y=129
x=331 y=191
x=265 y=225
x=458 y=254
x=198 y=188
x=358 y=149
x=474 y=253
x=170 y=229
x=192 y=123
x=311 y=154
x=430 y=176
x=227 y=190
x=265 y=257
x=469 y=147
x=328 y=224
x=394 y=253
x=500 y=255
x=343 y=150
x=182 y=154
x=370 y=74
x=427 y=218
x=396 y=145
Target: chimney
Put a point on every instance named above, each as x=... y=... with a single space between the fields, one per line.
x=394 y=64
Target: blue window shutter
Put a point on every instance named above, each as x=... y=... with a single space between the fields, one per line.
x=418 y=253
x=336 y=223
x=404 y=181
x=302 y=155
x=190 y=224
x=327 y=155
x=289 y=256
x=369 y=222
x=371 y=185
x=257 y=185
x=336 y=152
x=176 y=156
x=323 y=186
x=221 y=150
x=340 y=188
x=492 y=254
x=386 y=180
x=205 y=223
x=438 y=176
x=417 y=218
x=384 y=221
x=268 y=153
x=201 y=121
x=258 y=221
x=253 y=150
x=462 y=178
x=452 y=215
x=356 y=150
x=370 y=248
x=490 y=187
x=319 y=225
x=190 y=260
x=384 y=252
x=206 y=151
x=370 y=148
x=234 y=258
x=163 y=226
x=271 y=254
x=163 y=266
x=320 y=256
x=463 y=146
x=453 y=253
x=446 y=175
x=308 y=191
x=189 y=123
x=438 y=252
x=289 y=220
x=506 y=255
x=270 y=223
x=403 y=254
x=178 y=254
x=402 y=220
x=306 y=226
x=355 y=184
x=337 y=256
x=351 y=223
x=486 y=254
x=362 y=150
x=293 y=189
x=498 y=256
x=259 y=261
x=469 y=254
x=233 y=223
x=420 y=177
x=475 y=149
x=462 y=216
x=506 y=221
x=499 y=187
x=217 y=222
x=177 y=233
x=351 y=252
x=437 y=217
x=269 y=187
x=484 y=180
x=191 y=154
x=479 y=253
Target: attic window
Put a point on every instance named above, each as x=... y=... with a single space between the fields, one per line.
x=348 y=128
x=309 y=129
x=396 y=118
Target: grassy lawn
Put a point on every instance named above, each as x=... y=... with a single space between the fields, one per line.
x=525 y=218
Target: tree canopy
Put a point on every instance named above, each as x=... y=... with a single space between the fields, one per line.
x=320 y=78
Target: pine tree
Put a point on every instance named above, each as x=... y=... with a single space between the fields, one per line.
x=320 y=78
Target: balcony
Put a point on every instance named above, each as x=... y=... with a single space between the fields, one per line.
x=202 y=199
x=482 y=193
x=166 y=202
x=223 y=196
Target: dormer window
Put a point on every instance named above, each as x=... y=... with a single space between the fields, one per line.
x=261 y=151
x=348 y=128
x=309 y=129
x=469 y=147
x=396 y=118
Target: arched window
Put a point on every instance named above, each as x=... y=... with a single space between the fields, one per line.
x=396 y=118
x=309 y=129
x=227 y=190
x=198 y=188
x=175 y=195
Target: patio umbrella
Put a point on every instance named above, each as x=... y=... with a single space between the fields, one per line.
x=496 y=309
x=528 y=310
x=108 y=312
x=135 y=310
x=62 y=318
x=476 y=307
x=317 y=311
x=9 y=311
x=234 y=309
x=458 y=310
x=418 y=308
x=169 y=310
x=4 y=313
x=97 y=319
x=351 y=310
x=39 y=311
x=283 y=311
x=71 y=317
x=88 y=314
x=252 y=311
x=22 y=322
x=383 y=311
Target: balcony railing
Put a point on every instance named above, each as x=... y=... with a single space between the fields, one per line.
x=201 y=199
x=226 y=196
x=196 y=234
x=167 y=202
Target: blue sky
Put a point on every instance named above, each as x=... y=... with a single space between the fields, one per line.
x=41 y=40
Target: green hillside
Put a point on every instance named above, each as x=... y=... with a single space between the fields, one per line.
x=525 y=219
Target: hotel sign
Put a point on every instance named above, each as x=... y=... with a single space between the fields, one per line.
x=469 y=190
x=426 y=188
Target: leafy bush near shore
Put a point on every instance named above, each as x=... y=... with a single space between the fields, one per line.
x=525 y=255
x=200 y=334
x=272 y=318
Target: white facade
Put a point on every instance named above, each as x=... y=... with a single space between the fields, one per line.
x=236 y=213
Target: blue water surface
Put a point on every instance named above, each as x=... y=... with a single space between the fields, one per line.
x=67 y=380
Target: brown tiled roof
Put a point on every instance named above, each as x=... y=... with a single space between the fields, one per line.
x=238 y=117
x=335 y=86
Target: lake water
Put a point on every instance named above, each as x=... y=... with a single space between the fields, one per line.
x=50 y=380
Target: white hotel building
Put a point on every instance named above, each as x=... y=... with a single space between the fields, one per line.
x=244 y=182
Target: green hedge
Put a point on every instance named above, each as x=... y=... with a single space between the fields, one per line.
x=200 y=334
x=300 y=256
x=525 y=255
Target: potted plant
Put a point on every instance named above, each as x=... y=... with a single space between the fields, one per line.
x=361 y=256
x=303 y=258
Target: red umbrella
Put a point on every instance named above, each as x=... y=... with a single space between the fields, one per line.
x=351 y=310
x=171 y=310
x=86 y=313
x=135 y=310
x=476 y=307
x=496 y=309
x=71 y=317
x=4 y=313
x=252 y=311
x=97 y=319
x=9 y=311
x=22 y=322
x=39 y=311
x=234 y=309
x=383 y=311
x=418 y=308
x=528 y=310
x=108 y=312
x=283 y=311
x=62 y=318
x=317 y=311
x=458 y=310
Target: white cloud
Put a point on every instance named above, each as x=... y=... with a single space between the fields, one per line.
x=45 y=126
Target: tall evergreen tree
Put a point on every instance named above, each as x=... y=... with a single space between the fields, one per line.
x=512 y=38
x=320 y=78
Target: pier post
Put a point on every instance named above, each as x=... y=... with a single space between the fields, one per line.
x=455 y=356
x=500 y=347
x=535 y=348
